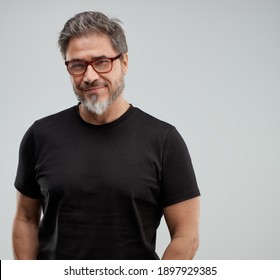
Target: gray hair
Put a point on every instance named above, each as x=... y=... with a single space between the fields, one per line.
x=89 y=23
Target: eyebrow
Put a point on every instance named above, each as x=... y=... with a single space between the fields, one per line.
x=92 y=58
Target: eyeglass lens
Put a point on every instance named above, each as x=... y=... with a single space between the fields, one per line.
x=100 y=65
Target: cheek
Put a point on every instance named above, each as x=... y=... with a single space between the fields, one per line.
x=76 y=81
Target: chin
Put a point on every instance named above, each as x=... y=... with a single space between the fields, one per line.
x=97 y=107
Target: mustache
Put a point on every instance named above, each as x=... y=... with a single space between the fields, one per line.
x=94 y=84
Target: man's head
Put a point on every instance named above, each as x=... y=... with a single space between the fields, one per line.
x=90 y=23
x=88 y=42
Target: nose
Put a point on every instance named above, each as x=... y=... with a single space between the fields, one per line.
x=90 y=75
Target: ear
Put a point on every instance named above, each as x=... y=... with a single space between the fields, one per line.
x=124 y=63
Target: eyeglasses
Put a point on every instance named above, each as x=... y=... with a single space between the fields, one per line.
x=100 y=65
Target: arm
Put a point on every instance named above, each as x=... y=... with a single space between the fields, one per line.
x=183 y=223
x=25 y=227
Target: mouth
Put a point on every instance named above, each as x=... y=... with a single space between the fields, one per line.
x=92 y=89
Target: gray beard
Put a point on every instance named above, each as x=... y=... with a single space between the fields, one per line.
x=100 y=107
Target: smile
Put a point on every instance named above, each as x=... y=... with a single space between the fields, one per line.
x=94 y=88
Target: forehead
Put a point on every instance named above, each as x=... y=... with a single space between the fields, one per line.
x=89 y=47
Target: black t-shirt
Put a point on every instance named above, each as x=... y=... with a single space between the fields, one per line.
x=103 y=188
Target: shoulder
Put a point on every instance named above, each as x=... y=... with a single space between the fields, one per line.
x=53 y=125
x=154 y=128
x=151 y=122
x=57 y=116
x=58 y=121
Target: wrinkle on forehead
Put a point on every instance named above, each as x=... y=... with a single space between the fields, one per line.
x=90 y=47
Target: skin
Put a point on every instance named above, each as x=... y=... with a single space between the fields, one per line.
x=25 y=227
x=182 y=218
x=89 y=48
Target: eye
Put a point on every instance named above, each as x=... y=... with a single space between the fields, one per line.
x=76 y=65
x=102 y=63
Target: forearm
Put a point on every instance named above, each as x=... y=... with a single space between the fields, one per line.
x=181 y=248
x=25 y=240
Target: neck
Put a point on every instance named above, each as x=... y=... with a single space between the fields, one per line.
x=116 y=110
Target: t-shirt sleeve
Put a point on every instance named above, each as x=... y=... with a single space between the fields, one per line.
x=178 y=177
x=25 y=181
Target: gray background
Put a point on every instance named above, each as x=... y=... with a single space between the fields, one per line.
x=211 y=68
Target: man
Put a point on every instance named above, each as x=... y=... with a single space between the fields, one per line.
x=103 y=171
